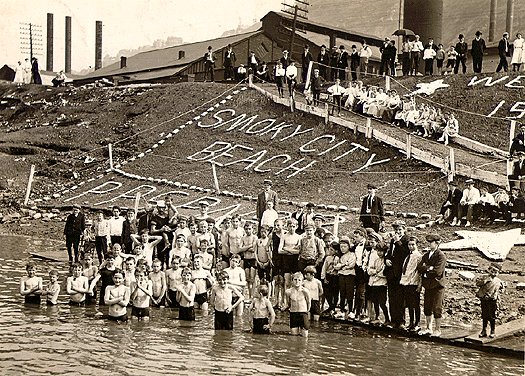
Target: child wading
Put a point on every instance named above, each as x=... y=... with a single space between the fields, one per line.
x=221 y=299
x=262 y=311
x=297 y=298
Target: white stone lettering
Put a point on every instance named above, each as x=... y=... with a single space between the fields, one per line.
x=296 y=132
x=218 y=118
x=227 y=154
x=101 y=189
x=488 y=81
x=512 y=83
x=296 y=169
x=303 y=148
x=258 y=168
x=131 y=194
x=210 y=151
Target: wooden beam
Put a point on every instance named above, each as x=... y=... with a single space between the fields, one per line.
x=502 y=331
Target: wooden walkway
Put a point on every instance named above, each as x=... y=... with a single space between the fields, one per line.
x=460 y=337
x=482 y=162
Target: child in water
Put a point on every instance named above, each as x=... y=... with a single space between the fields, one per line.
x=262 y=311
x=117 y=298
x=31 y=286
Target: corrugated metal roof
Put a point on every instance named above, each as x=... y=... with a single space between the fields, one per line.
x=167 y=57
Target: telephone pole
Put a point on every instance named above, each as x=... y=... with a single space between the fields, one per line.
x=30 y=39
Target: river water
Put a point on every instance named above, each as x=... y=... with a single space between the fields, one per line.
x=72 y=340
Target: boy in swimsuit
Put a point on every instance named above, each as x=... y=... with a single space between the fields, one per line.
x=77 y=286
x=315 y=288
x=263 y=257
x=201 y=278
x=142 y=292
x=31 y=285
x=53 y=289
x=186 y=296
x=90 y=271
x=221 y=299
x=247 y=249
x=262 y=311
x=297 y=298
x=158 y=282
x=117 y=298
x=237 y=278
x=173 y=278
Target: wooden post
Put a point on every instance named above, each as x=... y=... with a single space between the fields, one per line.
x=137 y=200
x=308 y=76
x=452 y=163
x=368 y=131
x=110 y=150
x=29 y=182
x=326 y=113
x=250 y=80
x=336 y=225
x=512 y=131
x=215 y=180
x=387 y=83
x=509 y=172
x=409 y=145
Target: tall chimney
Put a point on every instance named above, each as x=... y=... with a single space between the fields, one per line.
x=98 y=45
x=49 y=50
x=123 y=62
x=510 y=16
x=67 y=66
x=492 y=19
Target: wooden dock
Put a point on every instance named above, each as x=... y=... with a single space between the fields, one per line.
x=460 y=337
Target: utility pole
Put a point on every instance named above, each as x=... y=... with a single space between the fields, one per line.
x=299 y=11
x=30 y=39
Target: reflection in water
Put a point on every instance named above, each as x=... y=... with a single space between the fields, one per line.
x=63 y=339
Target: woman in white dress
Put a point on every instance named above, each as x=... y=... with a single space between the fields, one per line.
x=19 y=74
x=518 y=57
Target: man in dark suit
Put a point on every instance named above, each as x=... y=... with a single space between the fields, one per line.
x=229 y=63
x=461 y=49
x=342 y=63
x=517 y=178
x=75 y=226
x=518 y=143
x=516 y=205
x=385 y=58
x=451 y=203
x=372 y=214
x=334 y=58
x=285 y=59
x=503 y=52
x=266 y=195
x=209 y=64
x=394 y=259
x=324 y=60
x=432 y=269
x=477 y=51
x=298 y=216
x=305 y=61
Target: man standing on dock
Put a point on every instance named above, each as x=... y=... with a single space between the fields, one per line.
x=432 y=268
x=75 y=226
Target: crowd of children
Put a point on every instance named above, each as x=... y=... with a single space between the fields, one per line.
x=296 y=264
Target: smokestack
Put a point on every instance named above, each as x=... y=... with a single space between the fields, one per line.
x=98 y=45
x=49 y=51
x=123 y=62
x=510 y=16
x=182 y=54
x=492 y=19
x=67 y=66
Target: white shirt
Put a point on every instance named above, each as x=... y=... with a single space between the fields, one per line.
x=365 y=51
x=336 y=89
x=291 y=71
x=115 y=225
x=268 y=218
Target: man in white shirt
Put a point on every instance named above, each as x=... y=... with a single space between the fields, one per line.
x=468 y=200
x=291 y=78
x=415 y=54
x=115 y=226
x=336 y=91
x=364 y=54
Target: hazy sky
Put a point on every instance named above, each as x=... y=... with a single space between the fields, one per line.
x=127 y=24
